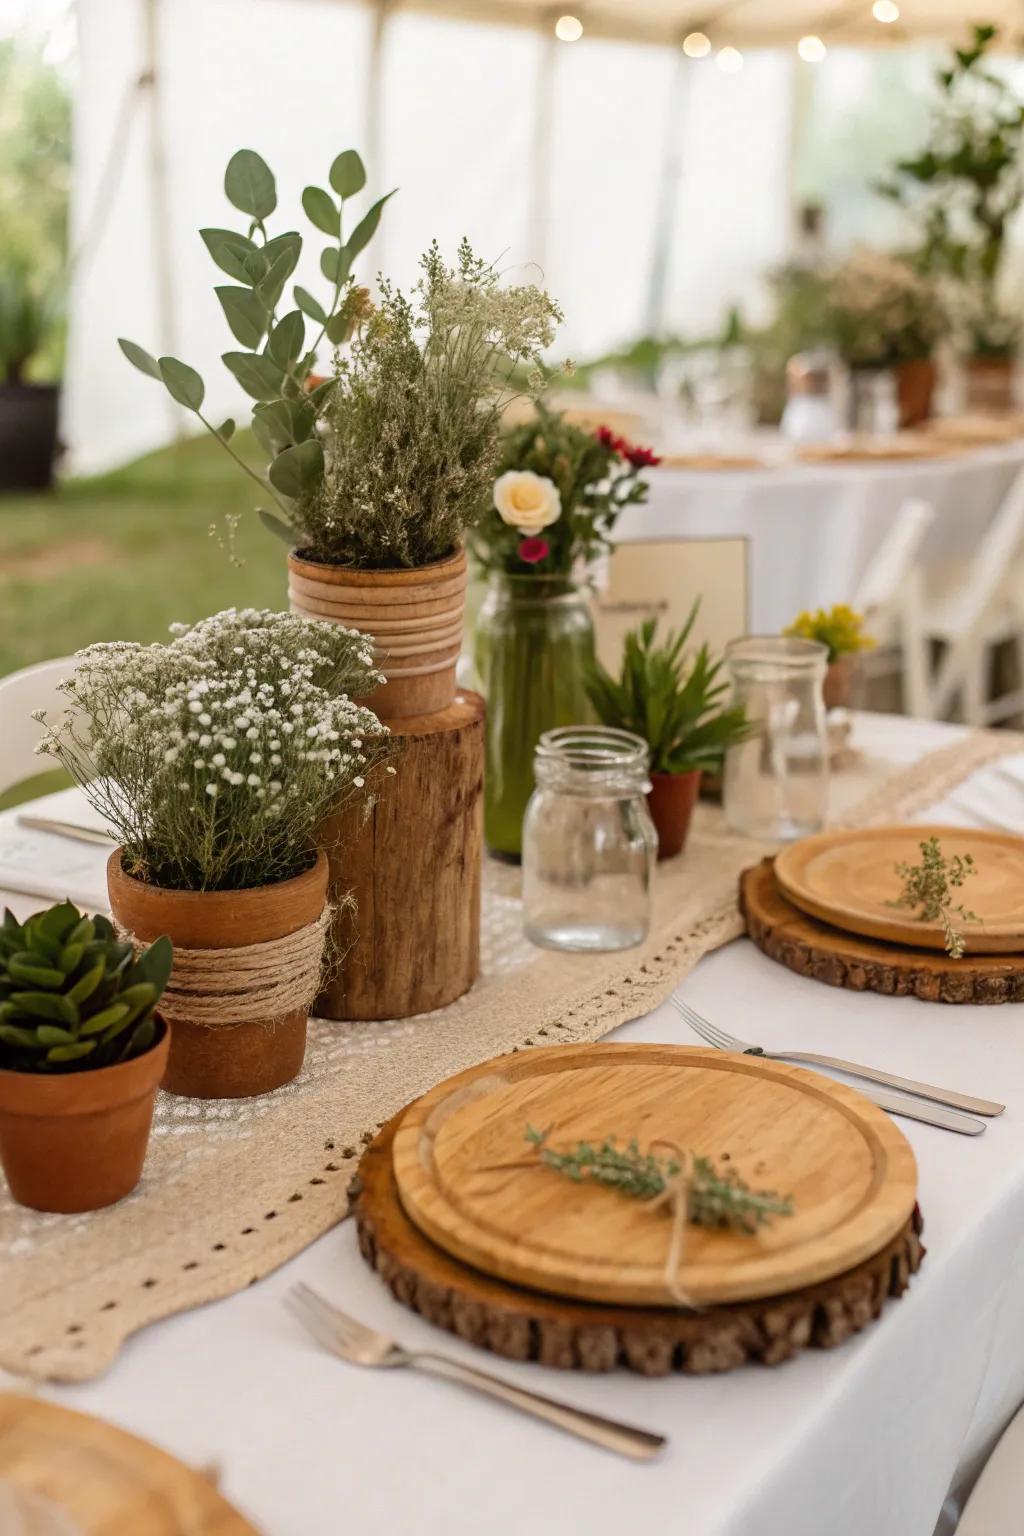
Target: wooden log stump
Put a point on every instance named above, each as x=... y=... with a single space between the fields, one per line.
x=813 y=948
x=587 y=1336
x=411 y=943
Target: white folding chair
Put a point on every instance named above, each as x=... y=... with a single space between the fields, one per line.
x=21 y=693
x=890 y=597
x=976 y=607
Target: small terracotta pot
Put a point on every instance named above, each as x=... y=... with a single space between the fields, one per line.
x=414 y=618
x=989 y=383
x=670 y=801
x=840 y=676
x=915 y=387
x=229 y=1060
x=76 y=1141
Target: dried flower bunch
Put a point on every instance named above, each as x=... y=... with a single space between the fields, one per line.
x=413 y=423
x=882 y=311
x=72 y=995
x=840 y=628
x=929 y=887
x=675 y=704
x=715 y=1198
x=558 y=495
x=215 y=758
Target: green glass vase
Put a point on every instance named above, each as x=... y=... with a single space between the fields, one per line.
x=534 y=640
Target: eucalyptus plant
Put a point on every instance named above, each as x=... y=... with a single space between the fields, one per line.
x=276 y=353
x=675 y=705
x=963 y=188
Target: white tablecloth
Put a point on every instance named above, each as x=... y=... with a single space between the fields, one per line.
x=812 y=528
x=865 y=1439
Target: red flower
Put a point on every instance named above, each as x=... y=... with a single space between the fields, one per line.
x=531 y=551
x=640 y=458
x=607 y=438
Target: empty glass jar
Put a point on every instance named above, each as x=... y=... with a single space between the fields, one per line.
x=776 y=783
x=589 y=844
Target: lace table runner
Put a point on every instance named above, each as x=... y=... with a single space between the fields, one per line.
x=233 y=1188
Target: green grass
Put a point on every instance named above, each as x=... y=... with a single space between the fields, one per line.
x=123 y=555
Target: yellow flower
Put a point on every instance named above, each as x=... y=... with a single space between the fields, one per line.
x=841 y=628
x=527 y=501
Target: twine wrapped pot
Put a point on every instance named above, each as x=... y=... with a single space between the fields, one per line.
x=246 y=970
x=414 y=618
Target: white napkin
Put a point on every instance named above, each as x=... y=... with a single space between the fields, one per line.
x=46 y=864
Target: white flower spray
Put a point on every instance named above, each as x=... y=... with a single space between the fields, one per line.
x=215 y=758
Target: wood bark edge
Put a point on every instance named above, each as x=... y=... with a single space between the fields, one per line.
x=527 y=1326
x=811 y=948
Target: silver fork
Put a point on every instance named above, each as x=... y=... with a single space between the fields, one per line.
x=360 y=1345
x=722 y=1041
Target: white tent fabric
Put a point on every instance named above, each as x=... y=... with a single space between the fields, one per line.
x=458 y=113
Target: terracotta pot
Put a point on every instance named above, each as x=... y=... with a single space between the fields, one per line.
x=840 y=676
x=414 y=618
x=232 y=1059
x=989 y=383
x=76 y=1141
x=670 y=801
x=915 y=387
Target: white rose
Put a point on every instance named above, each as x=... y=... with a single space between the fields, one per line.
x=527 y=501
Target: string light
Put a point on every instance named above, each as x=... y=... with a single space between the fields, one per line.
x=811 y=49
x=885 y=11
x=696 y=45
x=568 y=29
x=729 y=60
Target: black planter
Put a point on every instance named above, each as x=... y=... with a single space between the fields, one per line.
x=28 y=436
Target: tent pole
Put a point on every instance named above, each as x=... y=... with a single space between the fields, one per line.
x=538 y=218
x=372 y=128
x=668 y=197
x=166 y=305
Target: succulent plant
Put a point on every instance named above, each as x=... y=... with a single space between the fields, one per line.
x=73 y=996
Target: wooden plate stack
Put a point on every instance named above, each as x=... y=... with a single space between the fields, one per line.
x=467 y=1225
x=824 y=907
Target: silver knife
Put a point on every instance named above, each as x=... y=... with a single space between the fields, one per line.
x=931 y=1114
x=947 y=1096
x=68 y=829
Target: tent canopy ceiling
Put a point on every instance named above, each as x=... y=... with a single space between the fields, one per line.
x=751 y=23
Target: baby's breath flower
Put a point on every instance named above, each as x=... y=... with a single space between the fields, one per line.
x=192 y=819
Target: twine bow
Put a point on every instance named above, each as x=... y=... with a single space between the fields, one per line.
x=676 y=1194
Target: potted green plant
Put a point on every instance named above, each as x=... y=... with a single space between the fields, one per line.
x=676 y=705
x=413 y=428
x=28 y=409
x=840 y=629
x=558 y=492
x=884 y=313
x=215 y=759
x=82 y=1051
x=963 y=189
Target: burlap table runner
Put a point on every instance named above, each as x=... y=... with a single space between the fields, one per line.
x=232 y=1189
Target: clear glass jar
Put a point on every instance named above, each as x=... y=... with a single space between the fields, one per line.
x=534 y=642
x=589 y=844
x=776 y=783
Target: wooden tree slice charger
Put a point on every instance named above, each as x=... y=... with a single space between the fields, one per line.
x=849 y=879
x=468 y=1178
x=585 y=1336
x=103 y=1480
x=813 y=948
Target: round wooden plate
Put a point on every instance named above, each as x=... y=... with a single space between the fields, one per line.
x=469 y=1179
x=812 y=948
x=107 y=1482
x=848 y=879
x=588 y=1336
